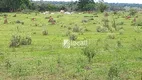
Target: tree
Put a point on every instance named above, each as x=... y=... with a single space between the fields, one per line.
x=85 y=5
x=101 y=6
x=13 y=5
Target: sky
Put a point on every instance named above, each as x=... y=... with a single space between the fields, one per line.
x=109 y=1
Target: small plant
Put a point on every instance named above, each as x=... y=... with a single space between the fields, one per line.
x=5 y=21
x=73 y=37
x=106 y=14
x=26 y=41
x=18 y=21
x=7 y=64
x=137 y=44
x=84 y=21
x=76 y=29
x=113 y=72
x=101 y=29
x=120 y=23
x=111 y=36
x=105 y=22
x=114 y=24
x=14 y=15
x=68 y=33
x=45 y=32
x=132 y=12
x=89 y=52
x=119 y=44
x=15 y=41
x=121 y=31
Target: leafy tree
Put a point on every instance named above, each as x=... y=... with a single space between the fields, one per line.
x=132 y=12
x=101 y=6
x=13 y=5
x=85 y=5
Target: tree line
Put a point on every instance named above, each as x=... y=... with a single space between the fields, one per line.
x=80 y=5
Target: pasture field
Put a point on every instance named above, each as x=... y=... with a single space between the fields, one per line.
x=118 y=47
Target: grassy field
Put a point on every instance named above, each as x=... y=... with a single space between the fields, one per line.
x=118 y=51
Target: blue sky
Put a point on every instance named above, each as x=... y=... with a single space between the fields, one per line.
x=109 y=1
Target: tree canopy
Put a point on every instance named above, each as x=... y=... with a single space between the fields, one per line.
x=13 y=5
x=85 y=5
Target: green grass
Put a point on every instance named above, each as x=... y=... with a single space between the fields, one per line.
x=46 y=59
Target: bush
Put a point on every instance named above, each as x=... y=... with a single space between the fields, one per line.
x=138 y=22
x=26 y=41
x=111 y=36
x=132 y=12
x=68 y=33
x=18 y=21
x=105 y=22
x=137 y=45
x=76 y=29
x=101 y=29
x=121 y=31
x=89 y=52
x=120 y=23
x=114 y=24
x=26 y=11
x=15 y=41
x=73 y=37
x=45 y=32
x=5 y=21
x=84 y=21
x=113 y=72
x=14 y=15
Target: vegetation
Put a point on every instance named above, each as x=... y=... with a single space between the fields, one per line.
x=84 y=45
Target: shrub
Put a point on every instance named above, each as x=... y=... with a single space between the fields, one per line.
x=18 y=21
x=113 y=72
x=138 y=22
x=26 y=11
x=68 y=33
x=47 y=17
x=76 y=29
x=114 y=24
x=22 y=23
x=137 y=44
x=119 y=44
x=5 y=15
x=111 y=36
x=15 y=41
x=14 y=15
x=121 y=31
x=26 y=40
x=101 y=29
x=105 y=22
x=73 y=37
x=84 y=21
x=69 y=28
x=45 y=32
x=106 y=14
x=119 y=28
x=89 y=52
x=5 y=21
x=132 y=12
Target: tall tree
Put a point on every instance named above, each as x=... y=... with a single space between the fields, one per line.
x=101 y=6
x=85 y=5
x=14 y=4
